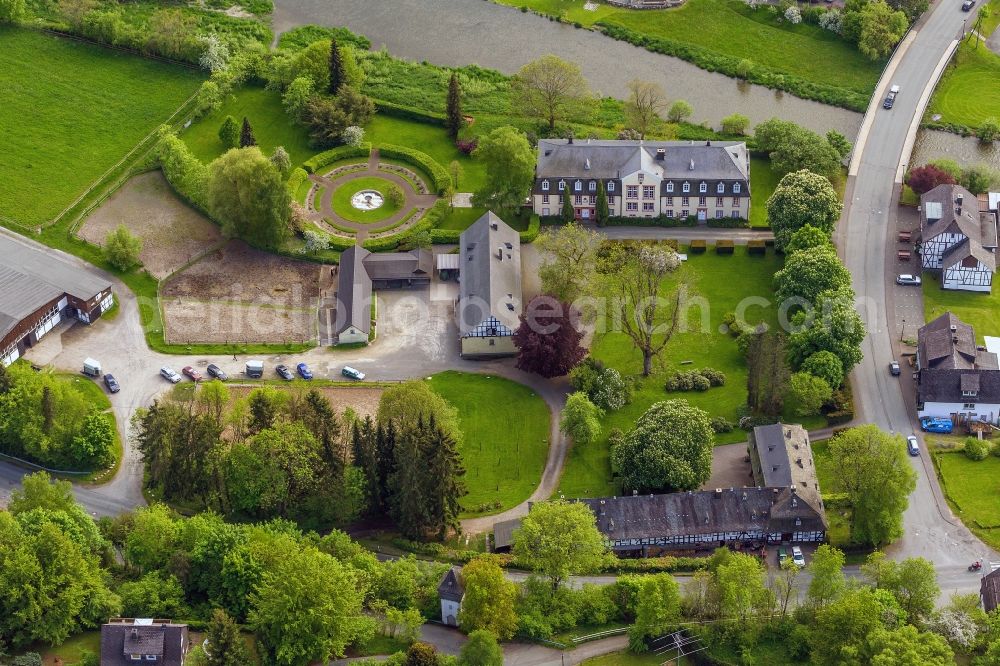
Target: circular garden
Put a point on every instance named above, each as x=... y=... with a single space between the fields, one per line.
x=367 y=199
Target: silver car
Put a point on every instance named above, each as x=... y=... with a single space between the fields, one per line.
x=908 y=280
x=169 y=375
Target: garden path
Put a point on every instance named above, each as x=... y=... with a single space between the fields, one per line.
x=322 y=212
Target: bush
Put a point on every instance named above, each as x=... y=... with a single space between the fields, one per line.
x=715 y=377
x=658 y=221
x=295 y=179
x=531 y=233
x=695 y=380
x=317 y=162
x=841 y=407
x=394 y=194
x=440 y=179
x=724 y=246
x=728 y=223
x=409 y=113
x=698 y=246
x=721 y=424
x=976 y=449
x=185 y=172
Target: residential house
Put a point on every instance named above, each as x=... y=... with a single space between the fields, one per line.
x=781 y=457
x=451 y=592
x=955 y=377
x=39 y=288
x=958 y=237
x=676 y=179
x=133 y=641
x=489 y=304
x=989 y=591
x=360 y=273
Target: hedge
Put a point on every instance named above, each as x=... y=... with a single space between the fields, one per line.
x=531 y=233
x=756 y=247
x=409 y=113
x=185 y=172
x=724 y=246
x=440 y=178
x=729 y=222
x=445 y=236
x=697 y=246
x=659 y=221
x=295 y=179
x=317 y=162
x=429 y=221
x=729 y=65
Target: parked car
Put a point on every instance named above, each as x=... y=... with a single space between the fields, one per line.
x=192 y=373
x=284 y=372
x=908 y=280
x=894 y=368
x=968 y=5
x=255 y=369
x=911 y=446
x=304 y=371
x=890 y=99
x=782 y=555
x=797 y=557
x=111 y=383
x=217 y=372
x=169 y=375
x=936 y=424
x=351 y=373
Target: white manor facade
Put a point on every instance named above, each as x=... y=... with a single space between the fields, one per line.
x=675 y=179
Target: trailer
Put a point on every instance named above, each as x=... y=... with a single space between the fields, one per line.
x=91 y=368
x=255 y=369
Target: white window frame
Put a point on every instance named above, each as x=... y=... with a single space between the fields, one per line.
x=562 y=185
x=720 y=188
x=686 y=187
x=670 y=187
x=703 y=187
x=736 y=188
x=593 y=186
x=611 y=186
x=545 y=186
x=577 y=186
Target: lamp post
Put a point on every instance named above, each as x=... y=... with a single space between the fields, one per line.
x=902 y=330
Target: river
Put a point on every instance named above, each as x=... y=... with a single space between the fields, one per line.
x=463 y=32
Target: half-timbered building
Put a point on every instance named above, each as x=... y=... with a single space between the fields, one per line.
x=958 y=238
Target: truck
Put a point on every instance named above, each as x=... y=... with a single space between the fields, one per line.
x=255 y=369
x=91 y=368
x=890 y=99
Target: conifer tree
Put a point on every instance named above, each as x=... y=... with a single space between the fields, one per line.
x=226 y=646
x=229 y=133
x=319 y=418
x=363 y=452
x=454 y=120
x=385 y=456
x=246 y=135
x=442 y=470
x=409 y=503
x=602 y=206
x=568 y=213
x=336 y=68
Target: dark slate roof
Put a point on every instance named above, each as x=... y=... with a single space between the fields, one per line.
x=989 y=591
x=121 y=637
x=503 y=533
x=968 y=248
x=705 y=512
x=786 y=459
x=30 y=277
x=941 y=213
x=451 y=588
x=714 y=160
x=490 y=270
x=398 y=265
x=950 y=363
x=354 y=291
x=144 y=640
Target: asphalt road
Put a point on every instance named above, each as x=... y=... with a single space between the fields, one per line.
x=865 y=240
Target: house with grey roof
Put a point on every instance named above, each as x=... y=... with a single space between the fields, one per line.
x=361 y=272
x=489 y=303
x=958 y=238
x=781 y=457
x=130 y=641
x=39 y=288
x=675 y=179
x=956 y=378
x=451 y=592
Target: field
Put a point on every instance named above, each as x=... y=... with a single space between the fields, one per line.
x=973 y=489
x=506 y=436
x=172 y=232
x=730 y=28
x=763 y=181
x=70 y=111
x=968 y=92
x=723 y=281
x=979 y=310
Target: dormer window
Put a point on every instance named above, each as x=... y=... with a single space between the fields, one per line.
x=798 y=521
x=611 y=186
x=720 y=188
x=686 y=187
x=703 y=187
x=562 y=185
x=970 y=394
x=577 y=186
x=670 y=187
x=736 y=188
x=641 y=176
x=593 y=186
x=545 y=186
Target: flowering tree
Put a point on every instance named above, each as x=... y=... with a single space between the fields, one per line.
x=353 y=135
x=215 y=57
x=793 y=15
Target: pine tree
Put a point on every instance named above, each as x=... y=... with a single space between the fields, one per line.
x=454 y=121
x=568 y=213
x=246 y=135
x=363 y=451
x=319 y=418
x=602 y=206
x=336 y=68
x=226 y=646
x=229 y=133
x=385 y=457
x=442 y=480
x=409 y=503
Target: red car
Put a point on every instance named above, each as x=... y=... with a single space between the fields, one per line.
x=192 y=373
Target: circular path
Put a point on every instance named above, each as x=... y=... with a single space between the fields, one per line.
x=322 y=214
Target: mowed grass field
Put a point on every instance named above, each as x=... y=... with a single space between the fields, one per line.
x=979 y=310
x=730 y=28
x=68 y=112
x=506 y=436
x=968 y=92
x=973 y=487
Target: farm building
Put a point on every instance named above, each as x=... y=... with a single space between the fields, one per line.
x=489 y=304
x=39 y=288
x=133 y=641
x=451 y=592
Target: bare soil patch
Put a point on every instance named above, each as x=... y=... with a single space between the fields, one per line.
x=189 y=321
x=172 y=232
x=238 y=272
x=362 y=399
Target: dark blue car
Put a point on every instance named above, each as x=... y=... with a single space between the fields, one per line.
x=304 y=371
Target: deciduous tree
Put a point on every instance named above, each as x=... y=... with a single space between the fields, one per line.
x=809 y=273
x=549 y=88
x=558 y=539
x=907 y=646
x=828 y=581
x=679 y=111
x=226 y=646
x=825 y=365
x=925 y=178
x=481 y=649
x=489 y=598
x=802 y=198
x=658 y=610
x=247 y=194
x=510 y=170
x=122 y=249
x=646 y=101
x=581 y=419
x=229 y=133
x=547 y=340
x=881 y=29
x=835 y=326
x=735 y=124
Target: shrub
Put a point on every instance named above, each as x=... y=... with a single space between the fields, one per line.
x=409 y=113
x=721 y=424
x=295 y=179
x=715 y=377
x=353 y=135
x=976 y=449
x=467 y=147
x=122 y=249
x=610 y=390
x=695 y=380
x=728 y=222
x=185 y=172
x=724 y=246
x=736 y=124
x=320 y=160
x=756 y=247
x=440 y=179
x=531 y=233
x=394 y=194
x=698 y=246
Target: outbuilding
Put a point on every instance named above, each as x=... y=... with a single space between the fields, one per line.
x=451 y=592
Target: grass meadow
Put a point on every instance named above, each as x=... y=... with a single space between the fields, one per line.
x=968 y=92
x=69 y=111
x=973 y=490
x=979 y=310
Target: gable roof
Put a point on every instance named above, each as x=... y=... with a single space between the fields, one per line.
x=122 y=637
x=398 y=265
x=786 y=458
x=354 y=291
x=712 y=160
x=968 y=248
x=450 y=588
x=946 y=343
x=951 y=364
x=490 y=270
x=989 y=590
x=942 y=213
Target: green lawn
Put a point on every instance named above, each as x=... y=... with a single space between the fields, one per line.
x=71 y=651
x=68 y=112
x=627 y=658
x=730 y=28
x=968 y=92
x=723 y=281
x=763 y=181
x=342 y=200
x=506 y=436
x=979 y=310
x=973 y=488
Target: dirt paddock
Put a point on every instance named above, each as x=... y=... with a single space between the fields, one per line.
x=191 y=321
x=362 y=399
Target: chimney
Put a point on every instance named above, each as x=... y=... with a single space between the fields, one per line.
x=958 y=200
x=718 y=493
x=570 y=139
x=953 y=328
x=661 y=154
